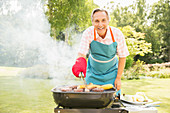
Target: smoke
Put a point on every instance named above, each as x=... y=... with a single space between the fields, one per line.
x=25 y=41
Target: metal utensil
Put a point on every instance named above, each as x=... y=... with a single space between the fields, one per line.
x=154 y=104
x=82 y=76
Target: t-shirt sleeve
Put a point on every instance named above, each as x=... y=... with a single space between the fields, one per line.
x=122 y=49
x=84 y=44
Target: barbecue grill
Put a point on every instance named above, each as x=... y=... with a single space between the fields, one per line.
x=94 y=102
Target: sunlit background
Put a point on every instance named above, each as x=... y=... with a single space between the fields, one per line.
x=39 y=40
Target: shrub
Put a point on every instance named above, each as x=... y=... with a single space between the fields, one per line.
x=156 y=61
x=135 y=71
x=129 y=62
x=158 y=74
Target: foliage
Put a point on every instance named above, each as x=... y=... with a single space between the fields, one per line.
x=156 y=61
x=129 y=62
x=63 y=14
x=135 y=42
x=160 y=27
x=140 y=70
x=155 y=25
x=157 y=33
x=133 y=15
x=158 y=74
x=158 y=70
x=135 y=71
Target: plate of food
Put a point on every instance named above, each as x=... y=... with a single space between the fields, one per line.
x=139 y=98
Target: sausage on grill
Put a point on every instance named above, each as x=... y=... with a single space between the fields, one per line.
x=66 y=89
x=98 y=90
x=78 y=90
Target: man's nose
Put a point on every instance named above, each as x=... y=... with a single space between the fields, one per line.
x=100 y=23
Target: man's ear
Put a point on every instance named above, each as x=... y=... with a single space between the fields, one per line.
x=93 y=23
x=108 y=22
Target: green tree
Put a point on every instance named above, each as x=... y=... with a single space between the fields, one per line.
x=133 y=15
x=160 y=28
x=155 y=26
x=135 y=42
x=64 y=14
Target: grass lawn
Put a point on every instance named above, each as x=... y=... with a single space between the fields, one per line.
x=26 y=95
x=155 y=89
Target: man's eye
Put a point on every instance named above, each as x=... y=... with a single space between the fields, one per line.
x=103 y=20
x=96 y=21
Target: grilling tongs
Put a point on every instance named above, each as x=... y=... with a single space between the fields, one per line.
x=81 y=75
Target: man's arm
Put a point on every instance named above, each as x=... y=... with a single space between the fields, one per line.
x=81 y=55
x=121 y=67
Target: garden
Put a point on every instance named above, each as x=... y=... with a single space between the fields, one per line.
x=39 y=41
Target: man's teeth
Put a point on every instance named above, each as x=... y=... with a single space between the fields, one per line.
x=101 y=28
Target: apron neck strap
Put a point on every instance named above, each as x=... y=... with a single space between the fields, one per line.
x=110 y=33
x=94 y=35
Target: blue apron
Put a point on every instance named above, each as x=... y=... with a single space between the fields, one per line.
x=102 y=63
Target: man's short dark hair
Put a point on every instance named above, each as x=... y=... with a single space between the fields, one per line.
x=99 y=10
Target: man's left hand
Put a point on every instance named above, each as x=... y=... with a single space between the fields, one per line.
x=118 y=84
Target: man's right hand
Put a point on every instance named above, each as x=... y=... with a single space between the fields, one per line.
x=79 y=66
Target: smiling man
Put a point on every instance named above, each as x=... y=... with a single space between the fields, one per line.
x=105 y=43
x=100 y=21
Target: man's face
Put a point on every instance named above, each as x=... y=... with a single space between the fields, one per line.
x=100 y=22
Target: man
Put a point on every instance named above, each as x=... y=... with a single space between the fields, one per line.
x=104 y=42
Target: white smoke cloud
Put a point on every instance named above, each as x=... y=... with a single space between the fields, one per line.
x=25 y=41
